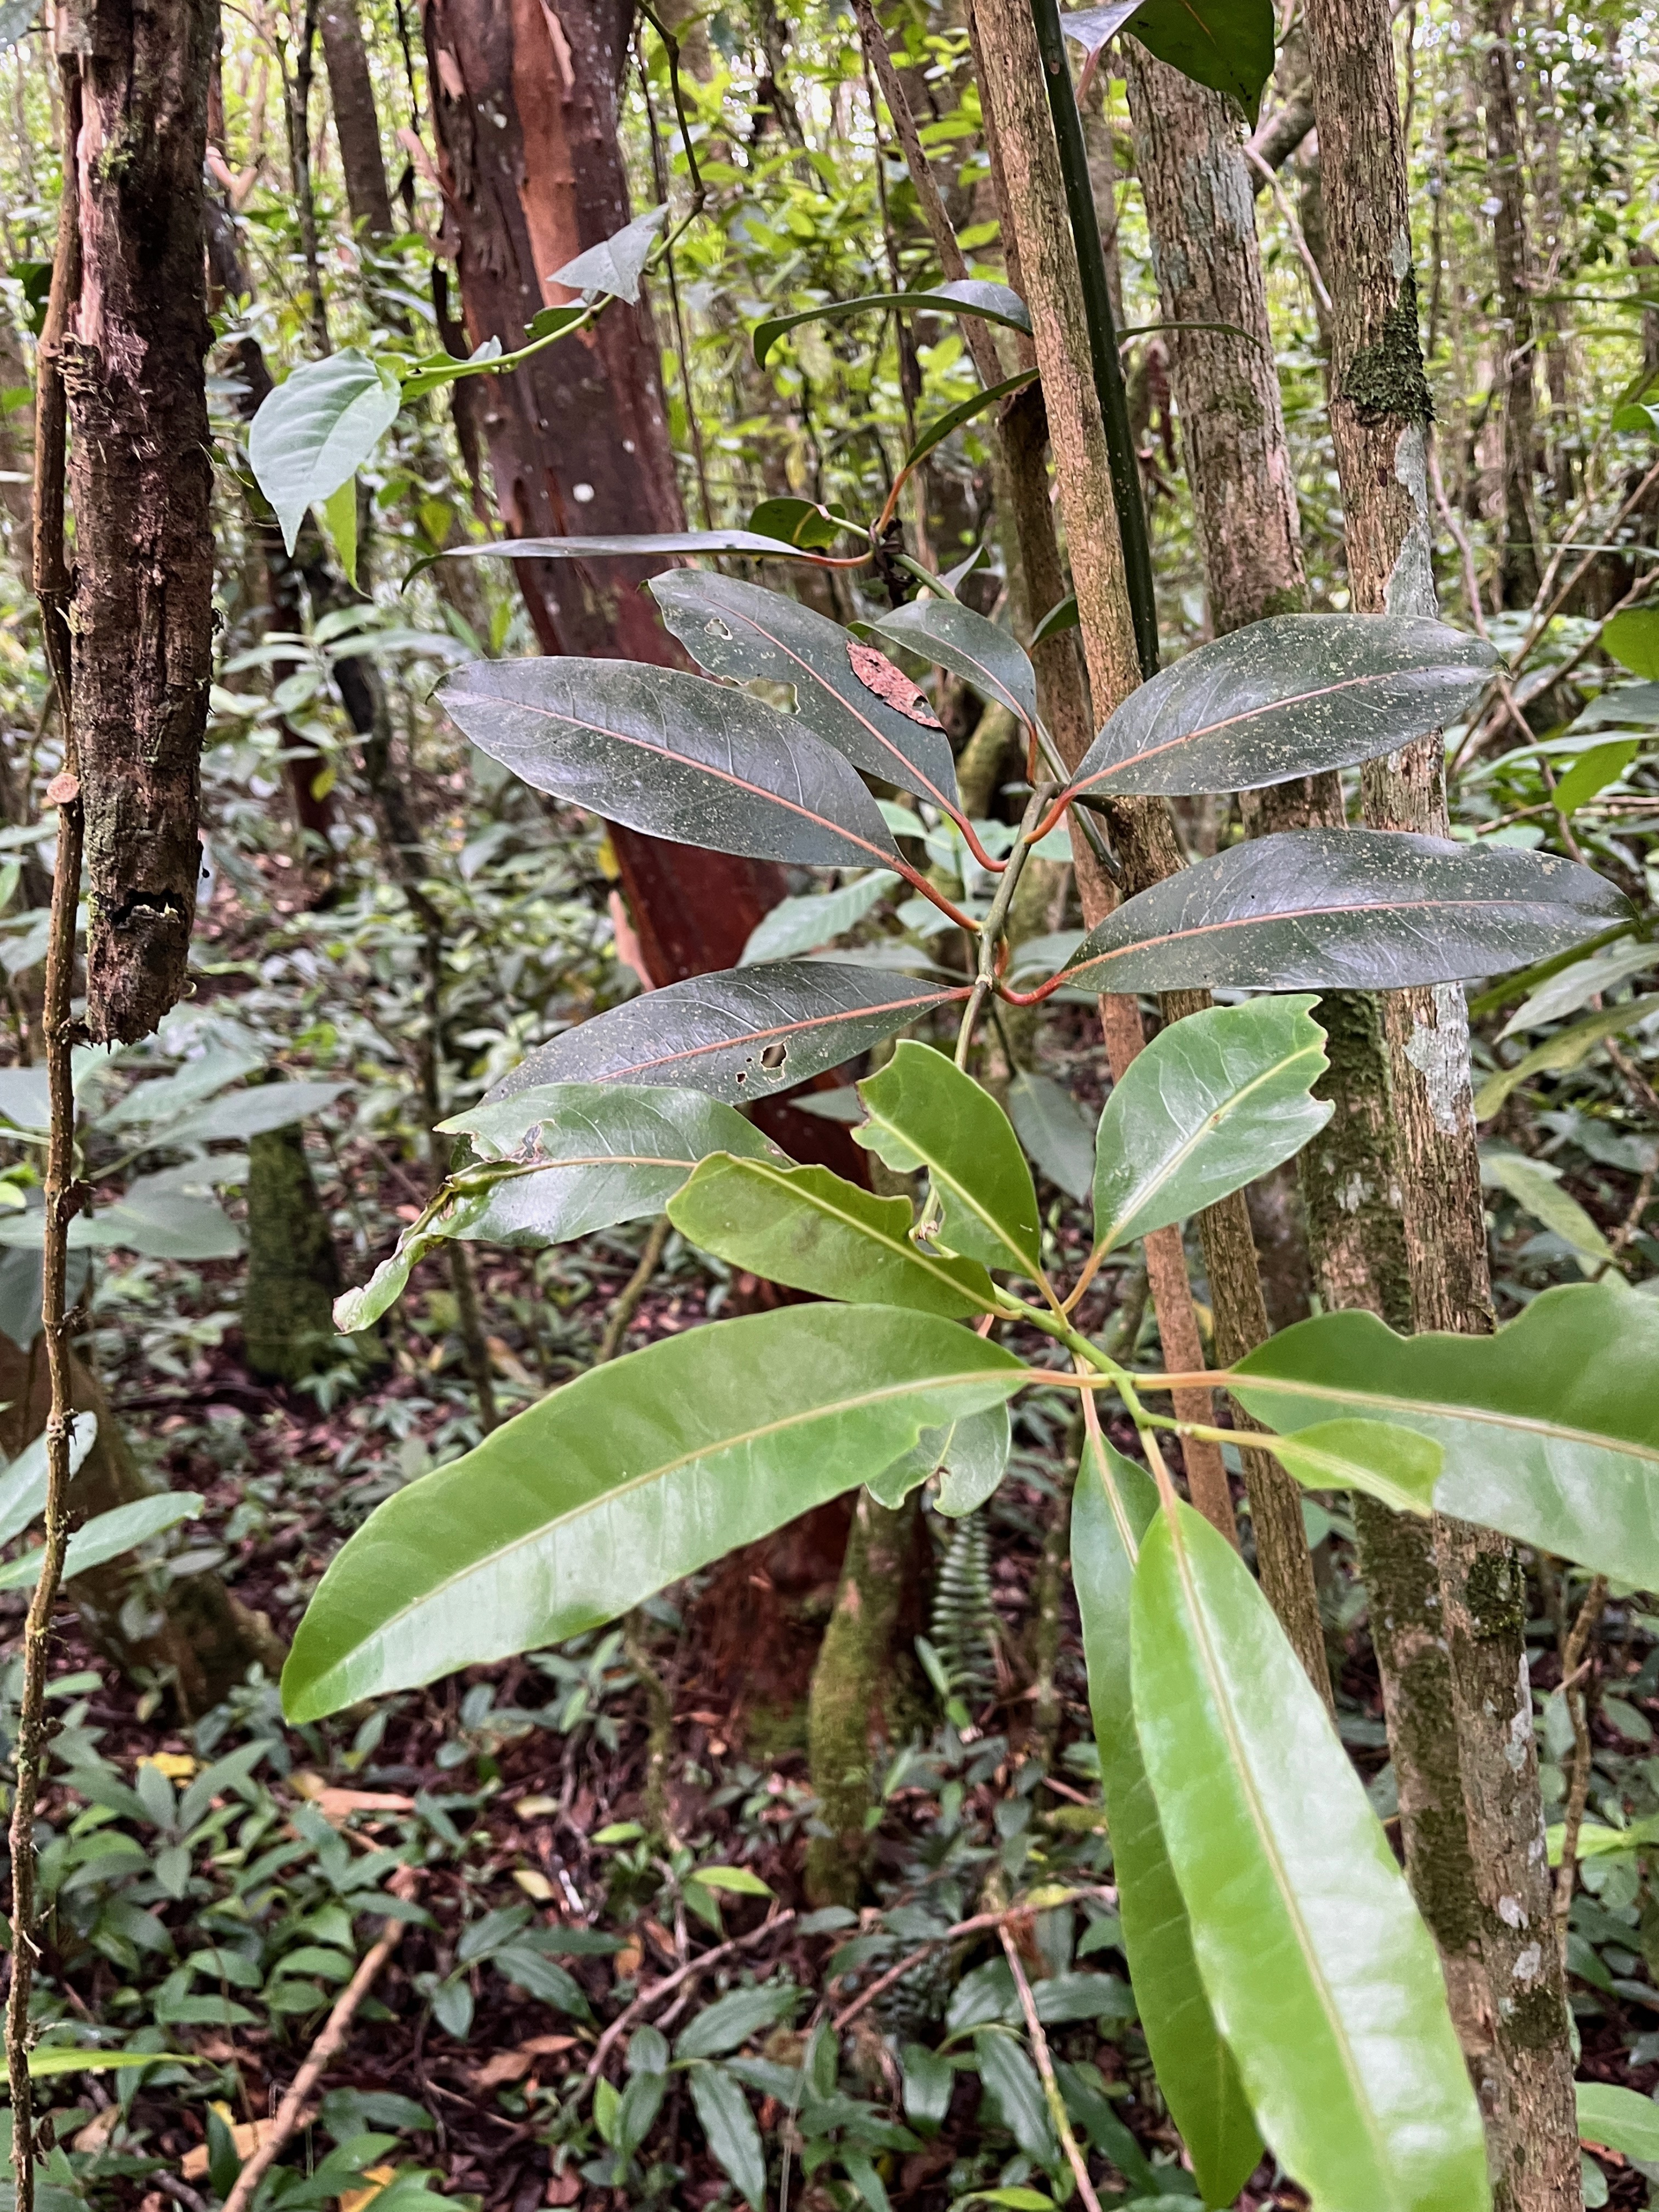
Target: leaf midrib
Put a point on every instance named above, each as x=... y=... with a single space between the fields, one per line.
x=1449 y=1410
x=1226 y=1719
x=660 y=1473
x=1215 y=1118
x=938 y=1173
x=900 y=1248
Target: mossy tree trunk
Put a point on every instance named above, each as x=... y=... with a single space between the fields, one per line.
x=860 y=1666
x=293 y=1269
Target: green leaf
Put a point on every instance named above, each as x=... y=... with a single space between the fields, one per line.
x=936 y=432
x=54 y=2059
x=1395 y=1464
x=740 y=1036
x=965 y=295
x=811 y=1229
x=734 y=1881
x=1592 y=771
x=630 y=1477
x=861 y=2173
x=1011 y=2082
x=1561 y=1053
x=107 y=1536
x=1062 y=617
x=1112 y=1506
x=1324 y=909
x=802 y=925
x=1285 y=697
x=314 y=432
x=984 y=655
x=970 y=1456
x=1633 y=639
x=560 y=1160
x=1619 y=2119
x=733 y=2139
x=23 y=1481
x=668 y=754
x=616 y=265
x=1226 y=44
x=1636 y=414
x=799 y=522
x=250 y=1112
x=1551 y=1426
x=1574 y=984
x=844 y=693
x=1323 y=1978
x=734 y=2018
x=925 y=1112
x=340 y=521
x=1535 y=1186
x=1054 y=1130
x=161 y=1222
x=1213 y=1102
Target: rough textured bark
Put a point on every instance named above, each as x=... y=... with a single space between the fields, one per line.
x=293 y=1274
x=198 y=1636
x=1142 y=831
x=140 y=478
x=850 y=1710
x=356 y=123
x=1515 y=366
x=1380 y=417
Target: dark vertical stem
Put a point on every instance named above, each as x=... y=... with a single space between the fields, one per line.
x=297 y=102
x=1103 y=332
x=62 y=1194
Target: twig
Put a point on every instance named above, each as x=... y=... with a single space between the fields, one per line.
x=1465 y=552
x=658 y=1990
x=1298 y=236
x=1574 y=1663
x=976 y=1926
x=627 y=1298
x=1635 y=1081
x=65 y=1196
x=1045 y=2065
x=322 y=2053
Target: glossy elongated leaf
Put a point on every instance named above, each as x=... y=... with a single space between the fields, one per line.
x=630 y=1477
x=734 y=2138
x=248 y=1113
x=666 y=753
x=23 y=1480
x=1395 y=1464
x=1114 y=1503
x=984 y=655
x=314 y=432
x=641 y=545
x=925 y=1112
x=844 y=693
x=964 y=296
x=813 y=1229
x=1011 y=2082
x=1619 y=2119
x=1574 y=986
x=161 y=1222
x=1213 y=1102
x=801 y=925
x=739 y=1036
x=107 y=1536
x=940 y=428
x=1325 y=910
x=1054 y=1130
x=1551 y=1426
x=1285 y=697
x=1226 y=44
x=1322 y=1977
x=1633 y=639
x=1568 y=1049
x=559 y=1160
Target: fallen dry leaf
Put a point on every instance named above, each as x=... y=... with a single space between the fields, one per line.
x=353 y=2200
x=247 y=2138
x=513 y=2065
x=336 y=1804
x=563 y=2188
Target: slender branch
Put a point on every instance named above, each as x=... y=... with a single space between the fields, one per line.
x=627 y=1298
x=323 y=2053
x=977 y=1925
x=65 y=1195
x=1104 y=354
x=1045 y=2065
x=1298 y=236
x=647 y=1998
x=1574 y=1666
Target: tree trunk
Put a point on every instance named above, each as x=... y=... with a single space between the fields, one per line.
x=198 y=1636
x=293 y=1274
x=1516 y=367
x=1200 y=212
x=356 y=123
x=1143 y=831
x=525 y=105
x=140 y=479
x=1380 y=416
